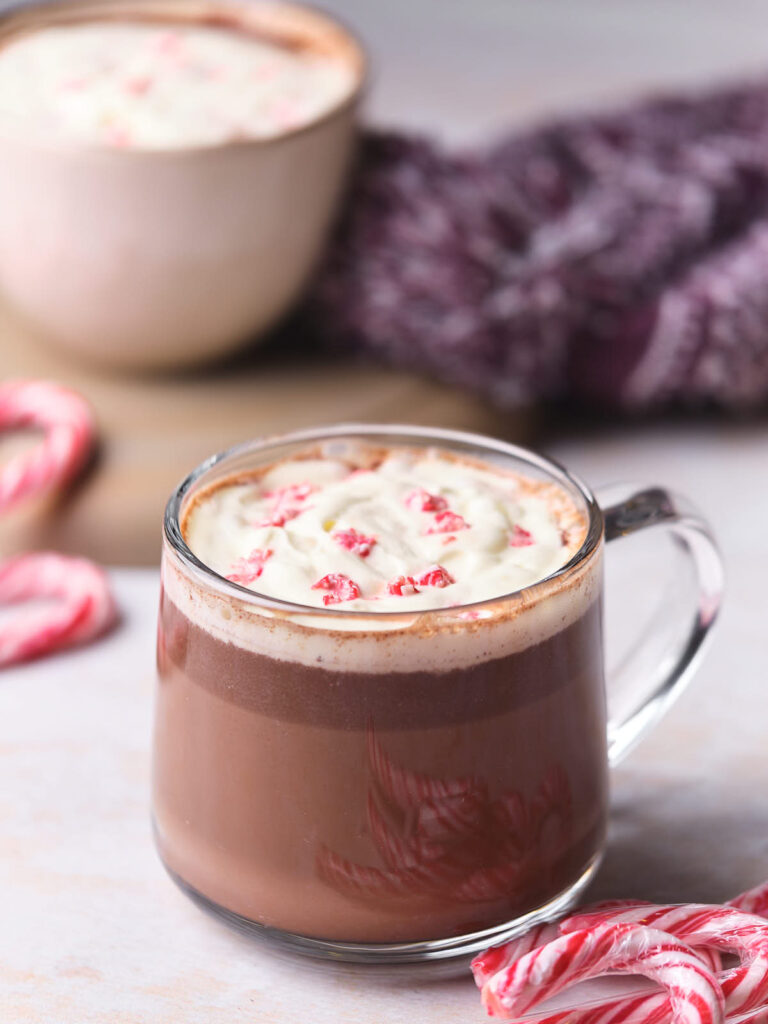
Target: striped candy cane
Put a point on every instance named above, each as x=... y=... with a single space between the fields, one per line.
x=694 y=995
x=725 y=928
x=644 y=1009
x=754 y=901
x=68 y=439
x=411 y=789
x=83 y=605
x=493 y=960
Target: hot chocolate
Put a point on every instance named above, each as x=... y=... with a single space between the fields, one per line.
x=150 y=85
x=414 y=749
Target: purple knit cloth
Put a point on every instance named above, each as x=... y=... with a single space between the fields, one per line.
x=617 y=260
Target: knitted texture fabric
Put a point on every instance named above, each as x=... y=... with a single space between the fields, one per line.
x=615 y=260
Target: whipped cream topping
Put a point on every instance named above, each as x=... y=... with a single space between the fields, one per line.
x=413 y=531
x=155 y=86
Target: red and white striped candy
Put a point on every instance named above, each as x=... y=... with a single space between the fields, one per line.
x=695 y=996
x=368 y=881
x=755 y=1017
x=493 y=960
x=652 y=1009
x=69 y=437
x=725 y=928
x=601 y=910
x=407 y=789
x=397 y=851
x=84 y=606
x=339 y=586
x=643 y=1009
x=754 y=901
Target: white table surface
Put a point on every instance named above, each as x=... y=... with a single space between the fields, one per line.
x=91 y=930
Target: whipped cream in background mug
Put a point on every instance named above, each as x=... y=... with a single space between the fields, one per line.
x=146 y=86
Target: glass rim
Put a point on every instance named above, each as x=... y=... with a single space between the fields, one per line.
x=409 y=432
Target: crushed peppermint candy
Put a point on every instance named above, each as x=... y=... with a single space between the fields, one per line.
x=435 y=576
x=406 y=586
x=287 y=503
x=423 y=501
x=425 y=530
x=402 y=586
x=520 y=538
x=448 y=522
x=355 y=542
x=340 y=588
x=246 y=570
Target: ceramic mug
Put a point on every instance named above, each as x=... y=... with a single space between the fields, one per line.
x=149 y=259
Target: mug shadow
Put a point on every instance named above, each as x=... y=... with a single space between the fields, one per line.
x=679 y=842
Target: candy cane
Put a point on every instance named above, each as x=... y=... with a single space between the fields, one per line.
x=753 y=901
x=650 y=1009
x=84 y=606
x=410 y=789
x=755 y=1017
x=604 y=909
x=492 y=960
x=486 y=964
x=726 y=928
x=624 y=948
x=69 y=436
x=653 y=1009
x=367 y=881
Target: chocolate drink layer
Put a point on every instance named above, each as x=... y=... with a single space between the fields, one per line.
x=351 y=791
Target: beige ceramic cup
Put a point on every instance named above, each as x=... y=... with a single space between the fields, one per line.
x=159 y=259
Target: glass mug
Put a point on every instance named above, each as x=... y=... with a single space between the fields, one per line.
x=403 y=786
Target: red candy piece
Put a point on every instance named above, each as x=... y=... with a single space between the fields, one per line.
x=279 y=518
x=355 y=542
x=402 y=586
x=340 y=588
x=423 y=501
x=407 y=586
x=448 y=522
x=246 y=570
x=286 y=504
x=290 y=494
x=435 y=576
x=139 y=85
x=520 y=538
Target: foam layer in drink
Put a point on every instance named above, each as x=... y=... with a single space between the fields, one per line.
x=134 y=85
x=378 y=522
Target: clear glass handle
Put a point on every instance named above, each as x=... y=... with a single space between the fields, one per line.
x=660 y=662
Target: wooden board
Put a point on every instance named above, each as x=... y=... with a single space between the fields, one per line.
x=153 y=430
